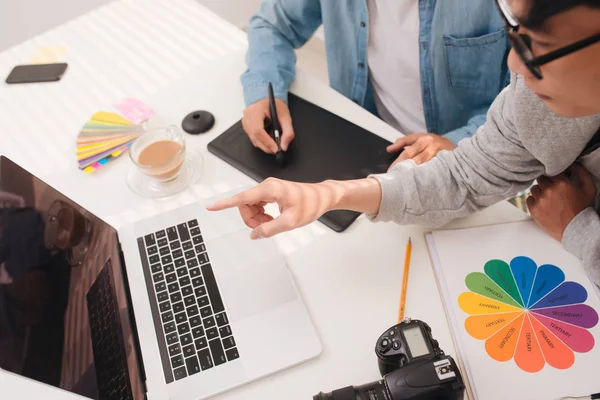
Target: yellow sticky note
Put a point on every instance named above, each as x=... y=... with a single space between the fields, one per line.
x=47 y=55
x=89 y=170
x=104 y=116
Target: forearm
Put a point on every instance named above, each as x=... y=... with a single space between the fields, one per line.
x=582 y=238
x=361 y=195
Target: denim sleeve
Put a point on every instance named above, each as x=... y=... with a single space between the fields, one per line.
x=279 y=27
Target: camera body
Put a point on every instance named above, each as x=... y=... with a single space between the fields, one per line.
x=412 y=365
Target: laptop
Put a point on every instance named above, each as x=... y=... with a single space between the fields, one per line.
x=182 y=306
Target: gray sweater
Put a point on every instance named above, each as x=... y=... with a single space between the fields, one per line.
x=521 y=140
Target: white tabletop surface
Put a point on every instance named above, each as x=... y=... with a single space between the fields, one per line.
x=350 y=282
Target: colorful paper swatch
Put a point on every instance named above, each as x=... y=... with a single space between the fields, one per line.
x=104 y=137
x=528 y=313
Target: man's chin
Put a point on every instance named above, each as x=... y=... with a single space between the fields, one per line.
x=564 y=110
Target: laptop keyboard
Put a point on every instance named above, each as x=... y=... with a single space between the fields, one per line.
x=191 y=324
x=110 y=358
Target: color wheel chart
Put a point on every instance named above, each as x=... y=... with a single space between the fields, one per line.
x=528 y=314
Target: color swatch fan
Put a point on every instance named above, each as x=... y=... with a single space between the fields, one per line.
x=104 y=137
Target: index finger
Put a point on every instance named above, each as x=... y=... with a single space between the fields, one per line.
x=249 y=197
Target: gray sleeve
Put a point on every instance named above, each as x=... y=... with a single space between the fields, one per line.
x=581 y=238
x=491 y=166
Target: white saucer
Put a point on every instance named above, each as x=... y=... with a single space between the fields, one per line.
x=148 y=187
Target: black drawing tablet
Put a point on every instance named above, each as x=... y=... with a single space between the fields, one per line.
x=326 y=147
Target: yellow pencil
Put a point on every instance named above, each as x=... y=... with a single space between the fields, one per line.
x=404 y=281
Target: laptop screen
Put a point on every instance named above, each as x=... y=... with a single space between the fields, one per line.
x=65 y=318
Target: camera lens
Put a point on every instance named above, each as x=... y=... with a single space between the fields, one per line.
x=371 y=391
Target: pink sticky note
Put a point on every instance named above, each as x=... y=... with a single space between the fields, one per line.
x=134 y=110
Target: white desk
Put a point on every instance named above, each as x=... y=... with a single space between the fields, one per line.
x=350 y=281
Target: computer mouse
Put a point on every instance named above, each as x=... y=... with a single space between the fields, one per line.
x=198 y=122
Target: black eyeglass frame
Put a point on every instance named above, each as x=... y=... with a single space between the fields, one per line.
x=522 y=45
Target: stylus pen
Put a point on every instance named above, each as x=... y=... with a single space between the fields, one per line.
x=275 y=123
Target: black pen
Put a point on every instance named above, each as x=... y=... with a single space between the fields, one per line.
x=275 y=125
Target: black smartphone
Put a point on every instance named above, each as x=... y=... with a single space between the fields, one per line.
x=37 y=73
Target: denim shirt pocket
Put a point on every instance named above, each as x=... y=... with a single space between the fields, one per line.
x=476 y=62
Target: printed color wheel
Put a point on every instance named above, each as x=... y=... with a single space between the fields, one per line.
x=528 y=313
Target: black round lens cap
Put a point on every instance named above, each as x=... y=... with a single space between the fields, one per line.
x=198 y=122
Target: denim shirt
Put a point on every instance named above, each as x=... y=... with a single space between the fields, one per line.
x=463 y=51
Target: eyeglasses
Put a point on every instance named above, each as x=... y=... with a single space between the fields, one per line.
x=521 y=43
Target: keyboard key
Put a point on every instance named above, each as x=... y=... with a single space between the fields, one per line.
x=195 y=231
x=212 y=333
x=164 y=251
x=179 y=373
x=229 y=342
x=175 y=245
x=203 y=301
x=208 y=322
x=181 y=271
x=154 y=259
x=173 y=287
x=193 y=310
x=160 y=234
x=174 y=349
x=185 y=281
x=152 y=250
x=175 y=297
x=183 y=232
x=192 y=263
x=186 y=339
x=158 y=277
x=177 y=361
x=232 y=354
x=197 y=331
x=189 y=301
x=193 y=367
x=213 y=290
x=189 y=254
x=163 y=296
x=187 y=291
x=169 y=327
x=172 y=234
x=189 y=350
x=195 y=272
x=225 y=331
x=172 y=338
x=166 y=317
x=178 y=307
x=160 y=287
x=166 y=306
x=197 y=240
x=162 y=242
x=200 y=249
x=205 y=360
x=171 y=278
x=205 y=311
x=187 y=246
x=217 y=351
x=203 y=258
x=183 y=328
x=201 y=291
x=178 y=253
x=180 y=262
x=150 y=240
x=193 y=223
x=201 y=343
x=197 y=281
x=166 y=259
x=169 y=269
x=195 y=321
x=221 y=319
x=180 y=318
x=156 y=268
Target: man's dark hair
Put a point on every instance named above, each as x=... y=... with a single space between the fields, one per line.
x=541 y=10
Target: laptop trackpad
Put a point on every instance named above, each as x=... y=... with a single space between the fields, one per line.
x=251 y=274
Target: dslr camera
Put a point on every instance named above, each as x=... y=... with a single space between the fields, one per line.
x=412 y=366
